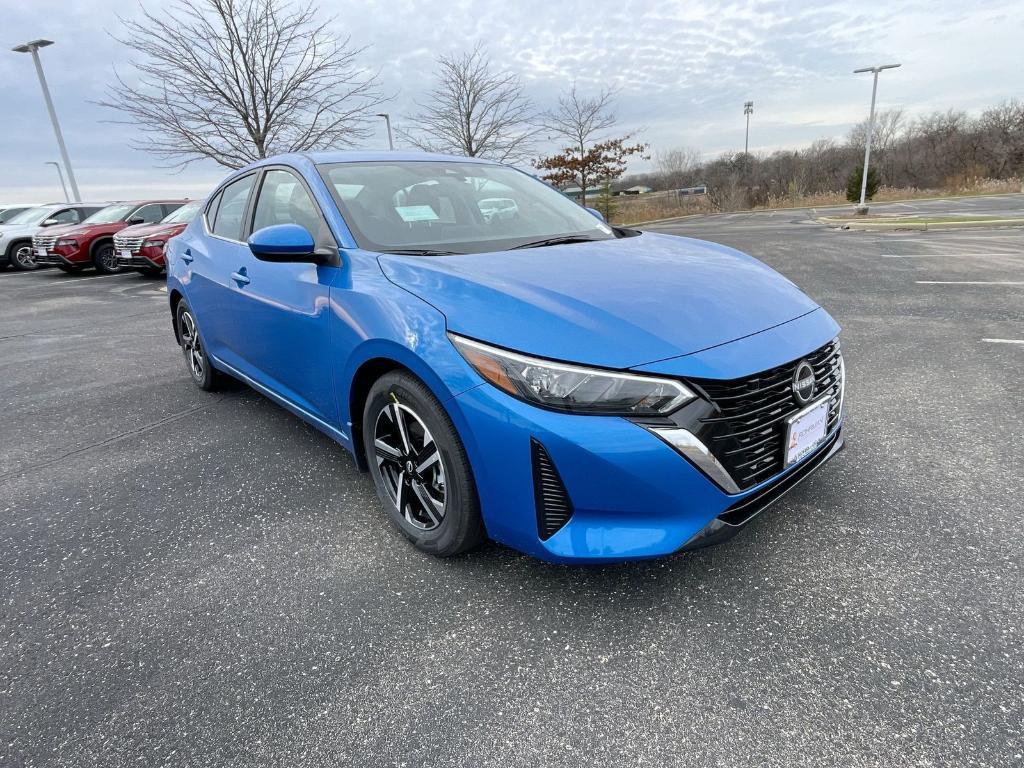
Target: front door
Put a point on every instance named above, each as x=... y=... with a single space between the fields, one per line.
x=279 y=311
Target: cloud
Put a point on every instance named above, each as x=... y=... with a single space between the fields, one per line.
x=683 y=70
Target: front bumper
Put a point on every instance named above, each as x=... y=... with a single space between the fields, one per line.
x=143 y=258
x=71 y=257
x=633 y=496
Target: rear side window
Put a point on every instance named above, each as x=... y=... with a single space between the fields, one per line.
x=170 y=208
x=231 y=211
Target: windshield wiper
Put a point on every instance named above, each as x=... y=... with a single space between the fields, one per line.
x=563 y=240
x=423 y=252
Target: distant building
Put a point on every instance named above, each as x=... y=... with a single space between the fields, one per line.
x=575 y=192
x=639 y=189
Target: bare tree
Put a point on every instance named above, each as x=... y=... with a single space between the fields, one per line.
x=581 y=120
x=237 y=80
x=677 y=165
x=475 y=111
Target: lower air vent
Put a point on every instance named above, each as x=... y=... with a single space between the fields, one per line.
x=553 y=506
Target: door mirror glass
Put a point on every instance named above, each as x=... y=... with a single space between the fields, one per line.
x=283 y=242
x=136 y=220
x=49 y=222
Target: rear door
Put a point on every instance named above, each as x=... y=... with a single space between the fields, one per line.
x=279 y=311
x=210 y=259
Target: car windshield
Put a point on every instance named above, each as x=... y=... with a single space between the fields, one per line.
x=453 y=207
x=9 y=213
x=185 y=214
x=110 y=214
x=31 y=216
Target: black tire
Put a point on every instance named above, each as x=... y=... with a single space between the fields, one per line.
x=457 y=525
x=20 y=257
x=151 y=272
x=197 y=362
x=104 y=258
x=69 y=270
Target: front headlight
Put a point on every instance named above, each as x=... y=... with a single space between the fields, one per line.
x=68 y=243
x=153 y=244
x=572 y=388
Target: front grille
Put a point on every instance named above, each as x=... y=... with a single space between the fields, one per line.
x=747 y=428
x=127 y=243
x=552 y=500
x=44 y=241
x=137 y=261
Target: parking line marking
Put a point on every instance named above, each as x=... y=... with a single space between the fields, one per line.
x=930 y=255
x=1004 y=341
x=75 y=280
x=969 y=282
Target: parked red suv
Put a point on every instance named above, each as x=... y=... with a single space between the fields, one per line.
x=91 y=243
x=141 y=247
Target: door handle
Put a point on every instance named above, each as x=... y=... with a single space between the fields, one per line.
x=187 y=256
x=240 y=277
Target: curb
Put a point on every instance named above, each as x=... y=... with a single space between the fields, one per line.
x=814 y=207
x=892 y=226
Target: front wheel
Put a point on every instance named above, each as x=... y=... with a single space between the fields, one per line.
x=419 y=467
x=104 y=258
x=21 y=257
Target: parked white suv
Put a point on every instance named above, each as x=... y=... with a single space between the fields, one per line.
x=16 y=233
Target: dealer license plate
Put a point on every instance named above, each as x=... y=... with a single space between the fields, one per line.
x=126 y=255
x=40 y=251
x=806 y=430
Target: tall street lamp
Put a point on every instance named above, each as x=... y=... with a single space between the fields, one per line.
x=33 y=48
x=748 y=110
x=61 y=175
x=862 y=208
x=387 y=120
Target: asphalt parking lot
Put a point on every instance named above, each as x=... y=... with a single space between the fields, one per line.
x=193 y=579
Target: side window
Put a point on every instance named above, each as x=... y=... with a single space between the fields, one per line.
x=283 y=200
x=150 y=214
x=67 y=216
x=211 y=211
x=170 y=208
x=231 y=211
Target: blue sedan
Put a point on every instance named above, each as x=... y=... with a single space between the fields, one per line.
x=581 y=392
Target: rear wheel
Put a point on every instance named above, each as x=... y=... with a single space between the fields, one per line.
x=196 y=359
x=21 y=257
x=104 y=258
x=419 y=467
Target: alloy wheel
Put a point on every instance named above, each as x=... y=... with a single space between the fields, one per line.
x=108 y=258
x=410 y=466
x=192 y=346
x=24 y=258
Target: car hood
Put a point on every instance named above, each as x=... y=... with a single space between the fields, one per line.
x=92 y=230
x=153 y=230
x=18 y=230
x=615 y=303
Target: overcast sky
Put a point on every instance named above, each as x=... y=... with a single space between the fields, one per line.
x=684 y=69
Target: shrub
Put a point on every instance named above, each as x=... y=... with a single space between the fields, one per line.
x=853 y=183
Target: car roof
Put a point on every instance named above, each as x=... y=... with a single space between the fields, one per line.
x=369 y=156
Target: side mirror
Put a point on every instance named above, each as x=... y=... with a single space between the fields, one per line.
x=283 y=242
x=136 y=220
x=597 y=213
x=49 y=222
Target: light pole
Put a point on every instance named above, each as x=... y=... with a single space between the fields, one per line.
x=33 y=48
x=387 y=120
x=862 y=208
x=61 y=175
x=748 y=110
